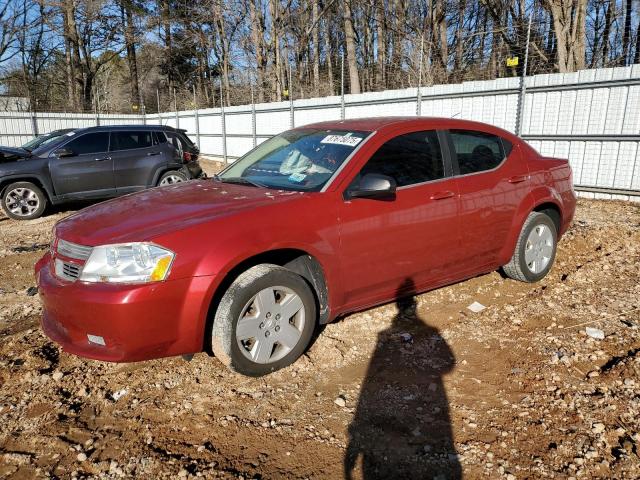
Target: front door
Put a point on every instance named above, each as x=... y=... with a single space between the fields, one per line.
x=87 y=170
x=411 y=239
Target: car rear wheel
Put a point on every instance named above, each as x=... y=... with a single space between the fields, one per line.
x=169 y=178
x=23 y=201
x=264 y=321
x=535 y=250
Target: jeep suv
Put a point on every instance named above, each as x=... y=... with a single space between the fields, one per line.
x=96 y=163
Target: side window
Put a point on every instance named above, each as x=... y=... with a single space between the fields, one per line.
x=159 y=137
x=477 y=151
x=130 y=140
x=89 y=143
x=409 y=159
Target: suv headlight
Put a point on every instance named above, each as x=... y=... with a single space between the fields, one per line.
x=127 y=263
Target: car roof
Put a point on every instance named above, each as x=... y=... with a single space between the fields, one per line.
x=370 y=124
x=111 y=128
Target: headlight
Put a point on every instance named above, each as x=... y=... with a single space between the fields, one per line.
x=127 y=263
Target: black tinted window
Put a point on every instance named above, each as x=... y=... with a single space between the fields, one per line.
x=410 y=158
x=129 y=140
x=477 y=151
x=89 y=143
x=159 y=137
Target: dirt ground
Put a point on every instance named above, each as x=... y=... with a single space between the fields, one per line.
x=424 y=388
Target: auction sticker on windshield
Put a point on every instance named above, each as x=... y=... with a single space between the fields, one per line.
x=346 y=140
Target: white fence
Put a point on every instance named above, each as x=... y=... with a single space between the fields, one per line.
x=591 y=117
x=17 y=128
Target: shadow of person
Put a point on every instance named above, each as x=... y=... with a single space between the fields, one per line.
x=401 y=427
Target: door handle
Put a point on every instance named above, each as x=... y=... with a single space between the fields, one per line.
x=518 y=178
x=442 y=195
x=102 y=159
x=151 y=154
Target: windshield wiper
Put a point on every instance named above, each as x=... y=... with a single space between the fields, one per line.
x=240 y=181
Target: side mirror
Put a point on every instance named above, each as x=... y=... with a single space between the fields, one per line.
x=64 y=152
x=373 y=185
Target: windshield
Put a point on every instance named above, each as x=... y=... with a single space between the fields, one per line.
x=302 y=160
x=41 y=140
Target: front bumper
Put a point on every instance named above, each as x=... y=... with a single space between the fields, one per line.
x=136 y=322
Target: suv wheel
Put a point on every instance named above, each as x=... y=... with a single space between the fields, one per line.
x=169 y=178
x=23 y=201
x=265 y=320
x=535 y=250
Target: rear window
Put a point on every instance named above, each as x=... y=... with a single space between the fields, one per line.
x=179 y=140
x=477 y=151
x=130 y=140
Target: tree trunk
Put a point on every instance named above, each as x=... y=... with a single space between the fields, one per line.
x=328 y=53
x=626 y=36
x=569 y=18
x=130 y=42
x=352 y=61
x=316 y=49
x=381 y=44
x=257 y=37
x=276 y=81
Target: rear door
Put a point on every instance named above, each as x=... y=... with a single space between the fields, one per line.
x=136 y=157
x=492 y=180
x=407 y=240
x=88 y=172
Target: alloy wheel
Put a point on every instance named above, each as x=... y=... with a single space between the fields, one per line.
x=22 y=201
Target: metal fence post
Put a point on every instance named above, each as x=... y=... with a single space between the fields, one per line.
x=175 y=106
x=195 y=113
x=253 y=120
x=34 y=123
x=292 y=121
x=96 y=105
x=224 y=127
x=419 y=92
x=523 y=83
x=342 y=88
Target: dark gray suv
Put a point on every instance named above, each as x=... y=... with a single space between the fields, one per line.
x=96 y=163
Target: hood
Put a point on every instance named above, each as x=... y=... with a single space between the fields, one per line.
x=10 y=154
x=146 y=215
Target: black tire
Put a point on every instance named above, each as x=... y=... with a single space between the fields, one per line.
x=518 y=268
x=172 y=177
x=224 y=342
x=34 y=198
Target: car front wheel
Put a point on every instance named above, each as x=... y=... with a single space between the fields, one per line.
x=23 y=201
x=535 y=250
x=264 y=321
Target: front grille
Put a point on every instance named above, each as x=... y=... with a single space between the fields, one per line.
x=67 y=270
x=70 y=270
x=73 y=250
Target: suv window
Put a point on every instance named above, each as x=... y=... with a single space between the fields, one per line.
x=409 y=159
x=130 y=140
x=96 y=142
x=477 y=151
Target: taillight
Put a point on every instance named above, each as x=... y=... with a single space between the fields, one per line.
x=187 y=156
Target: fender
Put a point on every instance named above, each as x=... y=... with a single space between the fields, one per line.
x=40 y=180
x=221 y=280
x=538 y=196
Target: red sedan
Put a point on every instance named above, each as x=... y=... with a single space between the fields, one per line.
x=314 y=223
